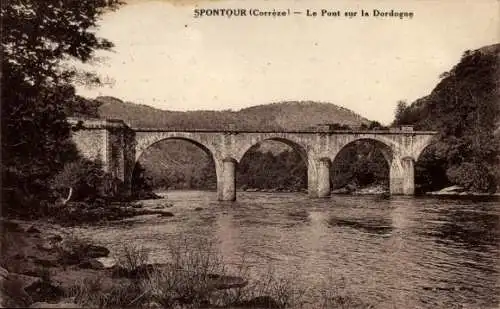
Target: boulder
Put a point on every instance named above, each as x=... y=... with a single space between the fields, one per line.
x=94 y=251
x=12 y=289
x=219 y=282
x=90 y=263
x=166 y=214
x=46 y=262
x=44 y=290
x=342 y=190
x=107 y=262
x=153 y=305
x=452 y=190
x=47 y=245
x=77 y=254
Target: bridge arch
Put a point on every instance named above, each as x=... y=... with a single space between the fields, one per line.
x=283 y=170
x=148 y=140
x=365 y=175
x=295 y=145
x=144 y=140
x=430 y=170
x=388 y=146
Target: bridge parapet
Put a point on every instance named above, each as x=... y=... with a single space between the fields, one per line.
x=97 y=123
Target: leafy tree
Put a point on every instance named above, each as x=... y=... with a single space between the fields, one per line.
x=465 y=110
x=399 y=116
x=87 y=179
x=39 y=40
x=142 y=184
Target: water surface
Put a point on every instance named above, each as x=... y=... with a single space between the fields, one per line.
x=402 y=252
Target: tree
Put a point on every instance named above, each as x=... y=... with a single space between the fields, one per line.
x=399 y=117
x=39 y=40
x=465 y=110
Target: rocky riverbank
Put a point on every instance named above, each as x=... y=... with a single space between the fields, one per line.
x=99 y=211
x=44 y=265
x=459 y=191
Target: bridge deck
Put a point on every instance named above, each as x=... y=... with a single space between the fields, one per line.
x=391 y=131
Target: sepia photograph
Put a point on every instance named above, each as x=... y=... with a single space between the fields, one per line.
x=268 y=154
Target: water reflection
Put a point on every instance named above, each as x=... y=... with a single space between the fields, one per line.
x=368 y=225
x=476 y=229
x=396 y=253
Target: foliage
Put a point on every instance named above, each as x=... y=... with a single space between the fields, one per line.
x=131 y=257
x=141 y=182
x=175 y=164
x=82 y=107
x=88 y=180
x=291 y=115
x=465 y=109
x=90 y=293
x=373 y=125
x=38 y=40
x=264 y=170
x=359 y=164
x=430 y=172
x=400 y=116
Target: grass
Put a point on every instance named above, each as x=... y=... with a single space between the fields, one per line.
x=194 y=278
x=131 y=257
x=90 y=293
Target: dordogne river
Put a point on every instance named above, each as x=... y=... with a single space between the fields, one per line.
x=402 y=252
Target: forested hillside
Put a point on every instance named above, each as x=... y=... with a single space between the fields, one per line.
x=280 y=116
x=464 y=108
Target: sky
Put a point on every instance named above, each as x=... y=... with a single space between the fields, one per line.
x=166 y=58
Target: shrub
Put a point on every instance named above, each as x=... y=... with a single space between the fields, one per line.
x=88 y=180
x=89 y=292
x=188 y=279
x=131 y=257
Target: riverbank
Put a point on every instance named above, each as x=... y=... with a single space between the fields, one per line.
x=100 y=211
x=264 y=229
x=458 y=191
x=45 y=265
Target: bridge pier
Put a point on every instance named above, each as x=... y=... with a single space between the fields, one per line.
x=227 y=188
x=402 y=176
x=324 y=177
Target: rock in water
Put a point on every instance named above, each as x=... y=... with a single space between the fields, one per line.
x=91 y=264
x=56 y=305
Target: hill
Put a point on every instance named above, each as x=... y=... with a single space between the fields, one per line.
x=464 y=108
x=276 y=116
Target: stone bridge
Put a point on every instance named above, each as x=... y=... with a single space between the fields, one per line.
x=119 y=146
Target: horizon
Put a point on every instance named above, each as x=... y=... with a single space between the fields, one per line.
x=167 y=59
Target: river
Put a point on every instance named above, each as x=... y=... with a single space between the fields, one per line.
x=402 y=252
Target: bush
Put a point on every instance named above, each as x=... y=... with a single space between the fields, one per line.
x=88 y=180
x=131 y=257
x=89 y=292
x=188 y=279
